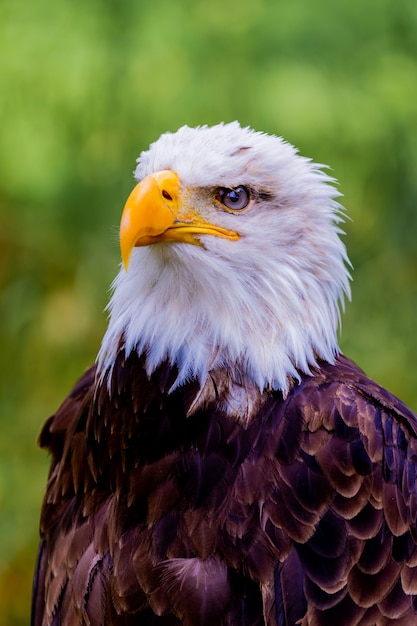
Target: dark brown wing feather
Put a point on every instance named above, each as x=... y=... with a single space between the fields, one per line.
x=305 y=516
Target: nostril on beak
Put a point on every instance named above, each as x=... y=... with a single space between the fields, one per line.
x=166 y=195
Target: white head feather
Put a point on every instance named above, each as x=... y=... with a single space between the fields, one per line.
x=264 y=307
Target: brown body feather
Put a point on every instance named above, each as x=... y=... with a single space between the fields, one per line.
x=152 y=516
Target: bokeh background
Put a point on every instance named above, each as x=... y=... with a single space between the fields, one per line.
x=85 y=85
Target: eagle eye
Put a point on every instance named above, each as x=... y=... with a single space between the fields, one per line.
x=236 y=198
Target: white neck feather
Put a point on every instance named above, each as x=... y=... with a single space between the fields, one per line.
x=201 y=316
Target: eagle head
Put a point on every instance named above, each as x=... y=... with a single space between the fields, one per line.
x=232 y=260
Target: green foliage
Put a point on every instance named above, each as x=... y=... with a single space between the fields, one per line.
x=85 y=86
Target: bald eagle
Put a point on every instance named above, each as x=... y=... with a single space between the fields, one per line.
x=223 y=463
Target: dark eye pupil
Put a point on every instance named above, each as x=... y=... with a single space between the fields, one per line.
x=236 y=198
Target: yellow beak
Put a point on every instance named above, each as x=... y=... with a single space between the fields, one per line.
x=154 y=213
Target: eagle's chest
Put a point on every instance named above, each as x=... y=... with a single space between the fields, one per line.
x=193 y=486
x=196 y=494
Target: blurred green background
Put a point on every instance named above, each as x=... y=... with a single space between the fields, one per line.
x=86 y=85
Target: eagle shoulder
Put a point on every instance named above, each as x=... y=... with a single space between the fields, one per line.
x=355 y=473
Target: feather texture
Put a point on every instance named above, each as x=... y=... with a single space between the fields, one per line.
x=196 y=519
